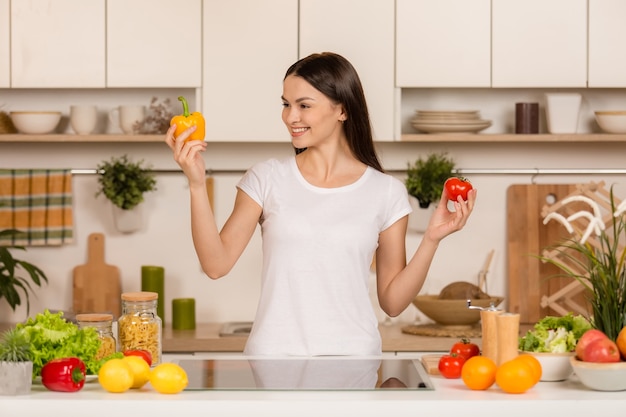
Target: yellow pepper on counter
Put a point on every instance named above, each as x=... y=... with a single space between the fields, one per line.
x=186 y=120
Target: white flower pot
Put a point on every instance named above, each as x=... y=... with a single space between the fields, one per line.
x=128 y=221
x=16 y=378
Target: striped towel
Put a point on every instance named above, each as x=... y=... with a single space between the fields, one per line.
x=38 y=203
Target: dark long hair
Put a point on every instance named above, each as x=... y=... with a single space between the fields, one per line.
x=336 y=78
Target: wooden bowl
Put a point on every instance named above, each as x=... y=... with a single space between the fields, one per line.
x=452 y=312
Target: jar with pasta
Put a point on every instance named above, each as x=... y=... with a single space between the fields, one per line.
x=103 y=324
x=139 y=326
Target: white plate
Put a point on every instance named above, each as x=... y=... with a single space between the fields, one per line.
x=452 y=122
x=458 y=128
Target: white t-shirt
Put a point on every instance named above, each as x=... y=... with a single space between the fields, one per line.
x=318 y=245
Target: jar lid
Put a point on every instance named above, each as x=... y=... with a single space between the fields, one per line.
x=140 y=296
x=94 y=317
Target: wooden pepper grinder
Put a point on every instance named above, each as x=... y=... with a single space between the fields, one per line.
x=507 y=326
x=489 y=330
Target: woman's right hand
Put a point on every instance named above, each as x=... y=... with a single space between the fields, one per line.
x=188 y=154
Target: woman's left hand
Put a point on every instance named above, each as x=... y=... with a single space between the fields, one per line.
x=445 y=222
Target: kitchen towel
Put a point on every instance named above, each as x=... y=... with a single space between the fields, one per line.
x=38 y=203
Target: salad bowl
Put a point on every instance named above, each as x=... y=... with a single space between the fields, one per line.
x=554 y=366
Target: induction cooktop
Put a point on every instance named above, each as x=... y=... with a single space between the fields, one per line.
x=314 y=374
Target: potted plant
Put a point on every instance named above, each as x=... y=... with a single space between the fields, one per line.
x=424 y=183
x=124 y=182
x=595 y=256
x=10 y=281
x=16 y=367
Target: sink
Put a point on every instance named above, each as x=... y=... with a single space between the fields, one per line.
x=236 y=328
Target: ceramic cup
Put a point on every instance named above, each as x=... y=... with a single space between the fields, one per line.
x=562 y=110
x=83 y=119
x=125 y=117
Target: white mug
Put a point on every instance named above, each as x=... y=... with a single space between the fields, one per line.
x=83 y=119
x=125 y=117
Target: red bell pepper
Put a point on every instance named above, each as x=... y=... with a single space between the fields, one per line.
x=64 y=374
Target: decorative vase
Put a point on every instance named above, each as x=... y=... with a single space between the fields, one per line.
x=16 y=378
x=419 y=218
x=128 y=221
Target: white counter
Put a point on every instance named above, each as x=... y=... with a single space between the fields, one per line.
x=566 y=399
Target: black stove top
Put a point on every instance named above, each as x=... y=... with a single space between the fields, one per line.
x=314 y=374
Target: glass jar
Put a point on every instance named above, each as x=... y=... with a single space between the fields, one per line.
x=103 y=324
x=139 y=326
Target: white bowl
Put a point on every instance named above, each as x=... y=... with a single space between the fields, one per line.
x=35 y=122
x=612 y=121
x=554 y=366
x=600 y=376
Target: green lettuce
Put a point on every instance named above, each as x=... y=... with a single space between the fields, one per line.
x=51 y=336
x=555 y=334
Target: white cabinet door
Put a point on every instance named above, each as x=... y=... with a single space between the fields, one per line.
x=5 y=49
x=154 y=43
x=539 y=43
x=248 y=46
x=607 y=32
x=362 y=32
x=443 y=43
x=57 y=43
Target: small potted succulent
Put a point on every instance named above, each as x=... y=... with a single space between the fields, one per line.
x=124 y=182
x=424 y=183
x=16 y=368
x=11 y=282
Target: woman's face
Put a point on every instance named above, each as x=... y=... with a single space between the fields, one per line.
x=311 y=117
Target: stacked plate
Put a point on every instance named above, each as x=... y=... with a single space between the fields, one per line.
x=441 y=121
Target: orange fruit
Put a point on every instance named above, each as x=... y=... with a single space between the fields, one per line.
x=515 y=376
x=479 y=372
x=534 y=364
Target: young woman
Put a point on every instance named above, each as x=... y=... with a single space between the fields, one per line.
x=325 y=213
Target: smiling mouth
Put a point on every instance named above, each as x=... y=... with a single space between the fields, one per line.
x=297 y=131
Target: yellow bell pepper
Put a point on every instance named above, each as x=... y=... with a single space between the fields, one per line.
x=186 y=120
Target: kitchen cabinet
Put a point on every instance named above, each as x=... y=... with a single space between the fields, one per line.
x=438 y=45
x=247 y=46
x=154 y=43
x=5 y=50
x=58 y=43
x=607 y=66
x=362 y=32
x=539 y=43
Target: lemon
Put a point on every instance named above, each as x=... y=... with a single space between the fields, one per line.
x=140 y=370
x=168 y=378
x=115 y=375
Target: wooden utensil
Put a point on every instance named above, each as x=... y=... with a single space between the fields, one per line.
x=96 y=285
x=527 y=237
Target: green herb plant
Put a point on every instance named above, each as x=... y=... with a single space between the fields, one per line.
x=599 y=265
x=14 y=347
x=425 y=177
x=11 y=283
x=124 y=182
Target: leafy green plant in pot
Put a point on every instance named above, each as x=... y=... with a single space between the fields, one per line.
x=11 y=281
x=16 y=367
x=124 y=183
x=425 y=177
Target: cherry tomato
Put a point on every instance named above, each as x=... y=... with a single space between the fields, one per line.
x=450 y=366
x=144 y=354
x=457 y=186
x=465 y=348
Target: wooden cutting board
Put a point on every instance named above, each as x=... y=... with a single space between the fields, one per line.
x=96 y=285
x=529 y=279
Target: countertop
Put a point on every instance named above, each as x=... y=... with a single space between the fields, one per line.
x=206 y=338
x=450 y=397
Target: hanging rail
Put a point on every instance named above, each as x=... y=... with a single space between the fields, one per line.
x=464 y=171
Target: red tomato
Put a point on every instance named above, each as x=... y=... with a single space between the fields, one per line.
x=465 y=348
x=144 y=354
x=457 y=186
x=450 y=366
